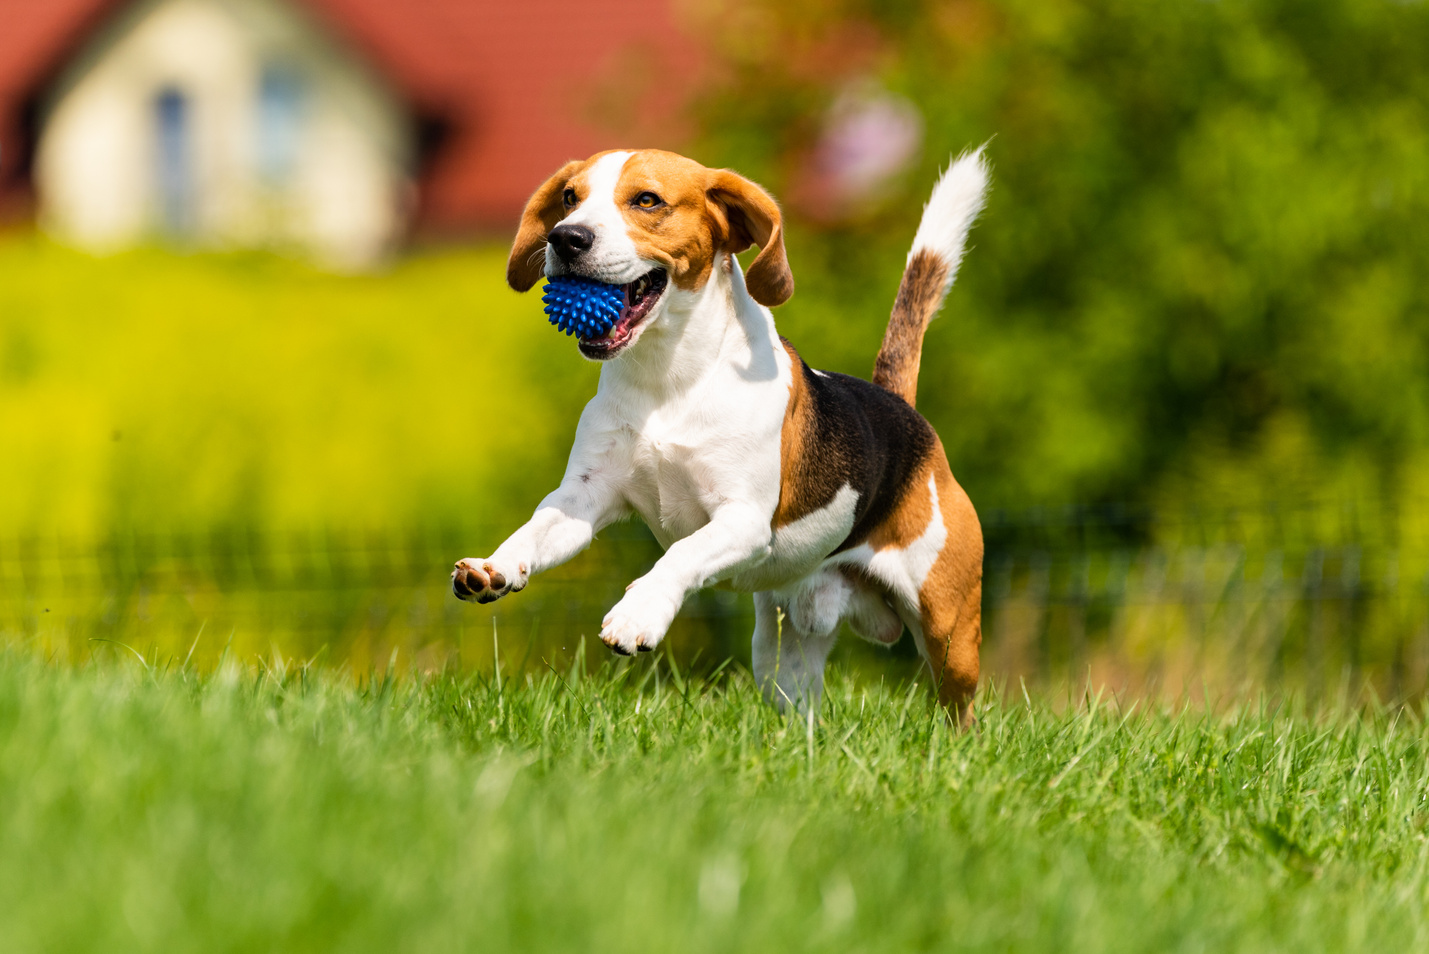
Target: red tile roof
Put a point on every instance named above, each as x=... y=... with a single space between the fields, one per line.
x=513 y=86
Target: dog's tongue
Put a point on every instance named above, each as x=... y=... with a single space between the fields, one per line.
x=638 y=296
x=622 y=324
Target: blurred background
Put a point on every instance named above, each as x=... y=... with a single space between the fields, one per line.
x=261 y=381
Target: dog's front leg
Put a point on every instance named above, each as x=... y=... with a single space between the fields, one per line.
x=736 y=536
x=562 y=526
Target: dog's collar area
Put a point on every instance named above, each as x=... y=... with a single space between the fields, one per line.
x=641 y=296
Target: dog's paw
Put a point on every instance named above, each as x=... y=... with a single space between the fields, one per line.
x=482 y=581
x=638 y=622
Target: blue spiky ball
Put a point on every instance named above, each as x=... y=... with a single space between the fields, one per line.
x=582 y=306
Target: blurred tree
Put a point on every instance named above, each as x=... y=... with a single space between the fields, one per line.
x=1201 y=274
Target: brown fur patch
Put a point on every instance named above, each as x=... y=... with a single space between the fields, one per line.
x=681 y=234
x=798 y=495
x=910 y=515
x=753 y=218
x=919 y=296
x=950 y=599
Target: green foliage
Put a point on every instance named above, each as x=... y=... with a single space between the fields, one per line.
x=639 y=810
x=151 y=391
x=1200 y=275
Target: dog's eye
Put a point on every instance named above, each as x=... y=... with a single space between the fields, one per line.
x=648 y=200
x=570 y=197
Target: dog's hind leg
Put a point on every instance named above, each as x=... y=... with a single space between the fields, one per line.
x=793 y=635
x=952 y=636
x=950 y=606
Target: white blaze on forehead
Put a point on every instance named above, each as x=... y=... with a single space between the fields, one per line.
x=601 y=180
x=613 y=258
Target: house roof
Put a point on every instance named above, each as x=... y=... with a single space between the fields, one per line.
x=508 y=86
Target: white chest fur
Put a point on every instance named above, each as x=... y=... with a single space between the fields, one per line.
x=697 y=410
x=674 y=486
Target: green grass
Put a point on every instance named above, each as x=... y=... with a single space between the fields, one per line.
x=635 y=810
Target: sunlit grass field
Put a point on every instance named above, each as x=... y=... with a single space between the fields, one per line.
x=153 y=808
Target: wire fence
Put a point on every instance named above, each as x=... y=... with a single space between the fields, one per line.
x=1284 y=598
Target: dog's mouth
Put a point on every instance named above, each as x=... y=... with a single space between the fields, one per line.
x=641 y=296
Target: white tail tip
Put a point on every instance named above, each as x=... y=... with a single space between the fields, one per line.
x=951 y=210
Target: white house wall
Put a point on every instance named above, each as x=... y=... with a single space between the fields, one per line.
x=348 y=193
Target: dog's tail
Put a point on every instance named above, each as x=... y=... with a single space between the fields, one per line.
x=932 y=265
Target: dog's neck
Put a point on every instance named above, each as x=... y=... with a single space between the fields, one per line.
x=697 y=331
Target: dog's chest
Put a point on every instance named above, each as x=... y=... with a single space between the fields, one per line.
x=672 y=485
x=716 y=444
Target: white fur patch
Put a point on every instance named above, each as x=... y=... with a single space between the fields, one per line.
x=871 y=617
x=800 y=546
x=788 y=663
x=817 y=603
x=954 y=205
x=905 y=569
x=817 y=532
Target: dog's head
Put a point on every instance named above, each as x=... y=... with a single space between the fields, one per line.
x=650 y=221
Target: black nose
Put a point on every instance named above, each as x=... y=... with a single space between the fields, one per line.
x=570 y=241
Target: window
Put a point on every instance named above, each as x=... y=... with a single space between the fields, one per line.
x=174 y=179
x=282 y=95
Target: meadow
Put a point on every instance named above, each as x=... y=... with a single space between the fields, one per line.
x=1182 y=376
x=152 y=807
x=210 y=453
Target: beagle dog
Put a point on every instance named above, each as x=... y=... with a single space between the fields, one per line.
x=828 y=497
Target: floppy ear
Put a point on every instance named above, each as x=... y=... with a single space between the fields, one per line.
x=748 y=215
x=526 y=264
